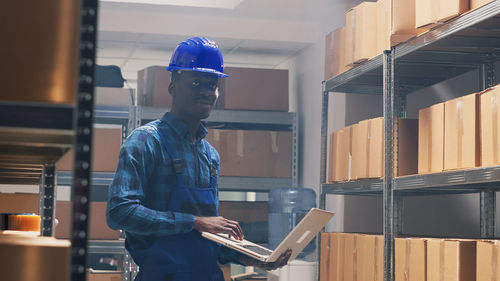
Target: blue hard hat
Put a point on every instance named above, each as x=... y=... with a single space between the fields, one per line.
x=198 y=54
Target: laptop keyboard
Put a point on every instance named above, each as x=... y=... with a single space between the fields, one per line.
x=256 y=249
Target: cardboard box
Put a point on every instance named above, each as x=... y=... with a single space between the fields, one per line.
x=337 y=261
x=340 y=155
x=41 y=61
x=429 y=12
x=365 y=263
x=407 y=147
x=244 y=211
x=106 y=144
x=410 y=259
x=114 y=96
x=247 y=153
x=104 y=277
x=461 y=133
x=490 y=126
x=360 y=33
x=451 y=260
x=152 y=87
x=360 y=146
x=350 y=257
x=334 y=53
x=331 y=156
x=404 y=21
x=350 y=21
x=383 y=25
x=474 y=4
x=488 y=260
x=379 y=254
x=19 y=203
x=324 y=265
x=254 y=89
x=98 y=228
x=365 y=32
x=375 y=153
x=431 y=139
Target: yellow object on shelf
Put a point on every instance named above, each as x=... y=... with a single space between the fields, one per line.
x=24 y=222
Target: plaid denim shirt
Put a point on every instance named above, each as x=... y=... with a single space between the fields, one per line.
x=140 y=191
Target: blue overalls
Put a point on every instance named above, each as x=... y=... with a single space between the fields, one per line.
x=186 y=256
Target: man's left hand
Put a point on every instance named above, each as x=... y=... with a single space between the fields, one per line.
x=280 y=262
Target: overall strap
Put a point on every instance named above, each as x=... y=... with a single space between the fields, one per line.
x=176 y=162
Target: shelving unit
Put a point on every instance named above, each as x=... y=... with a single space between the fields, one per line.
x=33 y=136
x=245 y=120
x=467 y=43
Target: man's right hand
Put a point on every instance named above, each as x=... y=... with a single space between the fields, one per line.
x=218 y=225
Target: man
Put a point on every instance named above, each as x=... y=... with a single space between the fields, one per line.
x=165 y=189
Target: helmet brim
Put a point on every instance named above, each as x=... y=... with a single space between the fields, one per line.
x=199 y=69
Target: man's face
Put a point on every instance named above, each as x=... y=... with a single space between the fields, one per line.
x=195 y=93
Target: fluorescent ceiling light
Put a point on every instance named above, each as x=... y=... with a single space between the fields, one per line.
x=220 y=4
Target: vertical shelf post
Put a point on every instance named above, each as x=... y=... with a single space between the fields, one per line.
x=47 y=199
x=388 y=198
x=487 y=198
x=83 y=120
x=324 y=141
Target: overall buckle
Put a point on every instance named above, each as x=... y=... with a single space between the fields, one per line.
x=178 y=166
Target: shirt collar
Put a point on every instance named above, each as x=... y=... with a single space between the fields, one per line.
x=181 y=128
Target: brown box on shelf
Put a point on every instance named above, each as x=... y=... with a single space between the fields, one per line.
x=488 y=260
x=106 y=145
x=410 y=259
x=404 y=21
x=254 y=89
x=365 y=32
x=370 y=257
x=98 y=228
x=332 y=153
x=152 y=87
x=336 y=258
x=474 y=4
x=490 y=126
x=375 y=153
x=104 y=277
x=449 y=260
x=360 y=146
x=244 y=211
x=348 y=48
x=431 y=139
x=40 y=62
x=407 y=147
x=350 y=256
x=325 y=251
x=383 y=25
x=429 y=12
x=340 y=154
x=246 y=153
x=334 y=53
x=461 y=133
x=19 y=203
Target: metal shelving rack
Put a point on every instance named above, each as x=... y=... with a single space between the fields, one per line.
x=33 y=136
x=245 y=119
x=470 y=42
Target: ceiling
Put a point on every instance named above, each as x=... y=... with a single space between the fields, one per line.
x=255 y=33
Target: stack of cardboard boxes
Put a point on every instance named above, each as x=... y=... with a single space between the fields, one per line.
x=357 y=151
x=359 y=257
x=372 y=27
x=351 y=257
x=461 y=133
x=243 y=153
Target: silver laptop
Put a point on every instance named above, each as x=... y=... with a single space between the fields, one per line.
x=296 y=240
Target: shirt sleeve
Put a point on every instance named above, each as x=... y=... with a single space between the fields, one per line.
x=125 y=208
